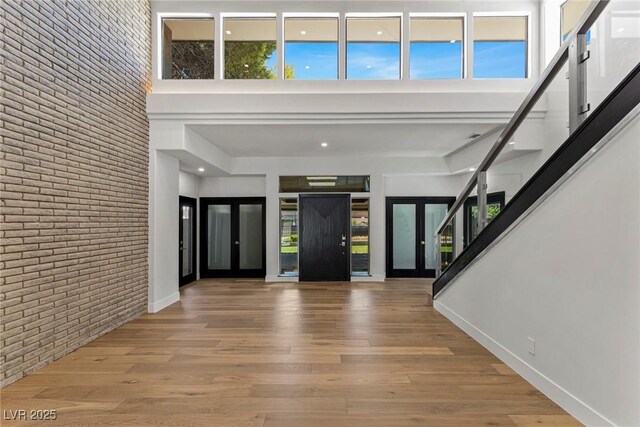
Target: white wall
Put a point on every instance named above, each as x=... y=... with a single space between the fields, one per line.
x=163 y=230
x=568 y=276
x=235 y=186
x=189 y=185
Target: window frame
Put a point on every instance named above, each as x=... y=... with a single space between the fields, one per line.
x=245 y=15
x=161 y=16
x=529 y=42
x=311 y=15
x=374 y=15
x=443 y=15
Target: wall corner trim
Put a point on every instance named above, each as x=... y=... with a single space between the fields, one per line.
x=574 y=406
x=154 y=307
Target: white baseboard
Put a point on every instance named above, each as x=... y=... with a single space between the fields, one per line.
x=570 y=403
x=154 y=307
x=373 y=278
x=281 y=279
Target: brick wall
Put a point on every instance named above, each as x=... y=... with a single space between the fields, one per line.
x=74 y=182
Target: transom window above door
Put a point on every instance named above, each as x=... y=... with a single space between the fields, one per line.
x=324 y=184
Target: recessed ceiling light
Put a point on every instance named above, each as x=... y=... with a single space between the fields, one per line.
x=228 y=32
x=200 y=169
x=472 y=169
x=379 y=33
x=324 y=145
x=303 y=32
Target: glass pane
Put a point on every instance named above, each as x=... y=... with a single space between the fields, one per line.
x=404 y=237
x=495 y=202
x=187 y=242
x=219 y=238
x=249 y=48
x=324 y=184
x=311 y=48
x=360 y=236
x=250 y=237
x=187 y=48
x=436 y=48
x=571 y=11
x=373 y=48
x=500 y=47
x=614 y=49
x=289 y=237
x=433 y=216
x=446 y=246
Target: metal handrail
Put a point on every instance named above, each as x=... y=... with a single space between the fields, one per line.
x=592 y=13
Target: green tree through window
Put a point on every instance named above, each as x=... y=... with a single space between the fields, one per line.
x=248 y=60
x=192 y=60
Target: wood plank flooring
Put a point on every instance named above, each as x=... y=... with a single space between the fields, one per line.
x=249 y=353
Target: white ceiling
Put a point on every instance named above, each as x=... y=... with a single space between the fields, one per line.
x=388 y=139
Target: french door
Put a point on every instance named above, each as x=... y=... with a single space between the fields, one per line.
x=412 y=223
x=232 y=237
x=187 y=240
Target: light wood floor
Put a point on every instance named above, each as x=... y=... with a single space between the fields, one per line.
x=246 y=353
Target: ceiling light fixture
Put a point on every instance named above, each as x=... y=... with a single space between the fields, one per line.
x=200 y=169
x=303 y=32
x=322 y=184
x=322 y=178
x=324 y=145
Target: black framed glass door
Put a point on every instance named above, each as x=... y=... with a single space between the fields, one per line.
x=232 y=237
x=411 y=226
x=187 y=240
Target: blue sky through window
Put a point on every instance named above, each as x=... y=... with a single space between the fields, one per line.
x=312 y=60
x=436 y=60
x=271 y=61
x=373 y=61
x=500 y=59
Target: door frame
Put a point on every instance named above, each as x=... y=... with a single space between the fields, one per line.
x=234 y=271
x=420 y=202
x=301 y=196
x=183 y=200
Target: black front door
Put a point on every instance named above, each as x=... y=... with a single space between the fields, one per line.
x=412 y=223
x=187 y=238
x=232 y=237
x=324 y=237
